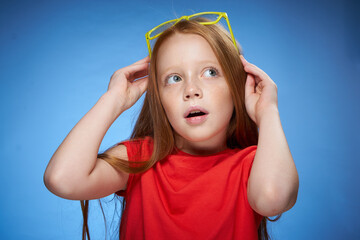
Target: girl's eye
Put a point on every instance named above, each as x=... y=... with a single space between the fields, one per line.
x=212 y=72
x=173 y=79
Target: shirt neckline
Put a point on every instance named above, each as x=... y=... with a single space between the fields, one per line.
x=180 y=152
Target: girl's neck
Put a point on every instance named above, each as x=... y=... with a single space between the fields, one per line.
x=208 y=147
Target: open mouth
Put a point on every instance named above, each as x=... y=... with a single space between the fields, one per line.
x=195 y=114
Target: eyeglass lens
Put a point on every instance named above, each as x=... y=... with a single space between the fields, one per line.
x=205 y=17
x=199 y=18
x=162 y=28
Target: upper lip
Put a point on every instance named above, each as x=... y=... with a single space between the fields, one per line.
x=194 y=108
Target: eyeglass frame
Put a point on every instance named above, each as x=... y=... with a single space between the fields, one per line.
x=176 y=20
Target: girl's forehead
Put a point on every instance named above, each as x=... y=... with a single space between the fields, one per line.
x=184 y=50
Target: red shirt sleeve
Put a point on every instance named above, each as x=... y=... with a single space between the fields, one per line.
x=137 y=150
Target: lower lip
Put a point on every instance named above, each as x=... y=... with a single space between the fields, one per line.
x=196 y=120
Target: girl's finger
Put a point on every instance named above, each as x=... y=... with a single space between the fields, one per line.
x=129 y=71
x=249 y=85
x=141 y=73
x=259 y=87
x=242 y=58
x=142 y=84
x=253 y=69
x=259 y=74
x=136 y=73
x=145 y=59
x=130 y=67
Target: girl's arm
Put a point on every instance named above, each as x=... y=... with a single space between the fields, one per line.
x=74 y=172
x=273 y=182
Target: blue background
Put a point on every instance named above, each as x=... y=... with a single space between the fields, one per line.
x=56 y=60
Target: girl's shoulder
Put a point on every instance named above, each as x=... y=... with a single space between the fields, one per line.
x=138 y=148
x=137 y=141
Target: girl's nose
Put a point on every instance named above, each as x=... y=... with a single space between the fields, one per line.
x=192 y=91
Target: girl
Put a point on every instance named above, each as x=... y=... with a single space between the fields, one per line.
x=207 y=159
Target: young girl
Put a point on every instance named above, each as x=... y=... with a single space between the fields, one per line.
x=207 y=159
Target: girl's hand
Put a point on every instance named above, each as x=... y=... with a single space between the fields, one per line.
x=260 y=92
x=123 y=86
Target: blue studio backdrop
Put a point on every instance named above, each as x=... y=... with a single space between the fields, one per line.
x=56 y=60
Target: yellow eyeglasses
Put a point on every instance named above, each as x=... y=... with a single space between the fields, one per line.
x=205 y=18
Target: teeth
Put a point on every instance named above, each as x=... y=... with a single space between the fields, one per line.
x=195 y=113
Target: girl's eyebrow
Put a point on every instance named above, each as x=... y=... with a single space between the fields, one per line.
x=199 y=62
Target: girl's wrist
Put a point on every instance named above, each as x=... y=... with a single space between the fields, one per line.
x=116 y=102
x=266 y=114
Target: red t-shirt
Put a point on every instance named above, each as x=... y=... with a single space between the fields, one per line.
x=185 y=196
